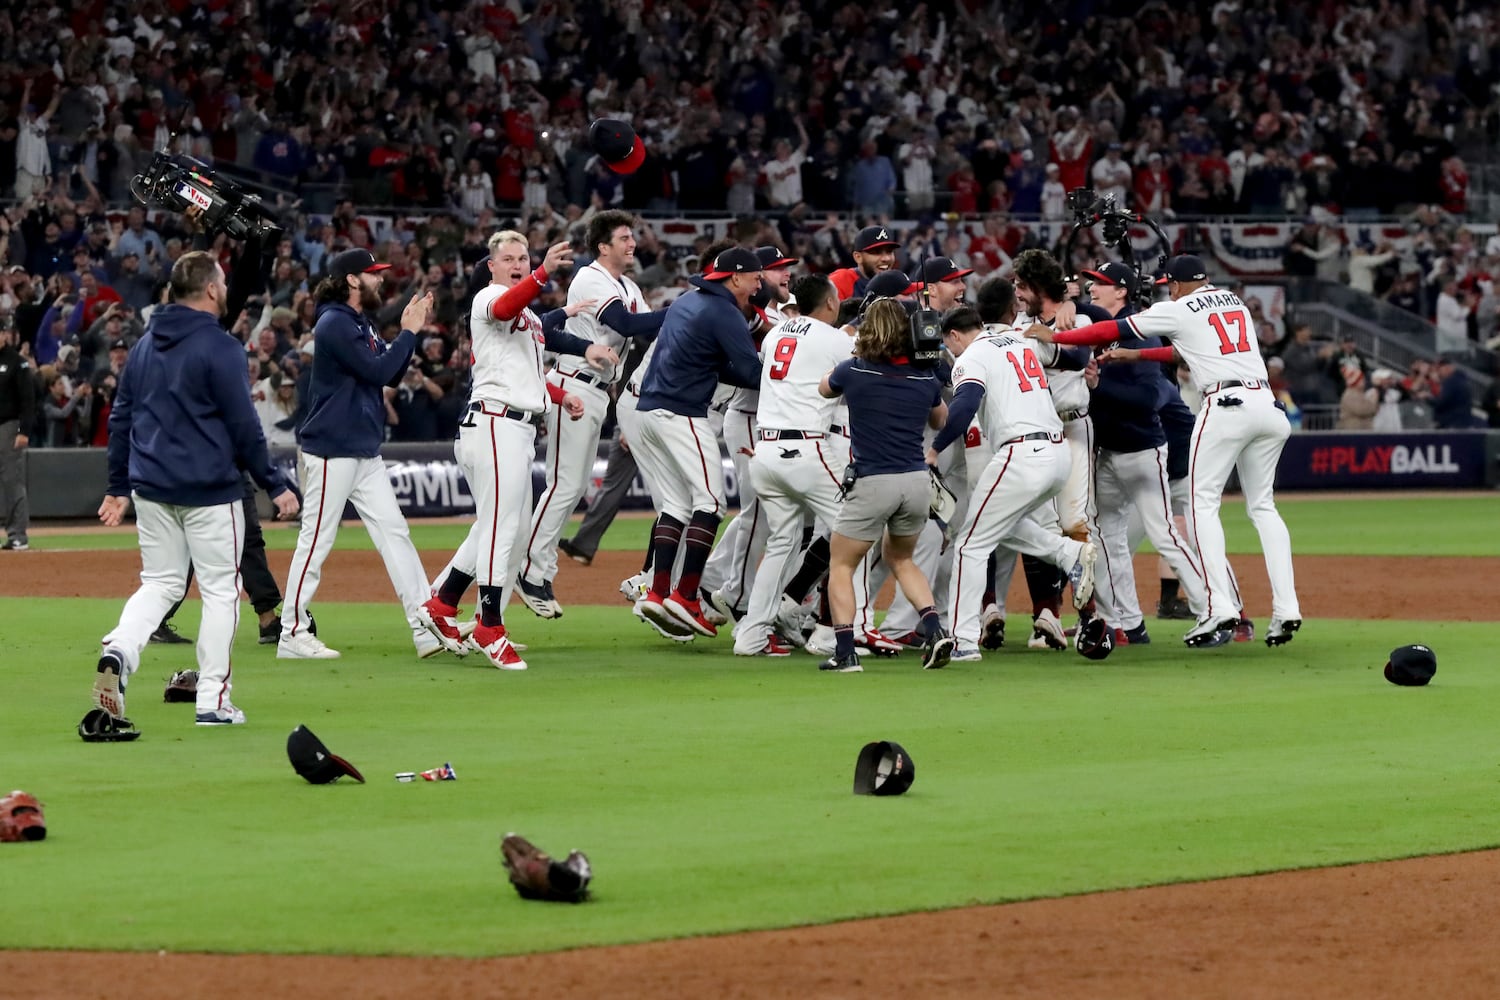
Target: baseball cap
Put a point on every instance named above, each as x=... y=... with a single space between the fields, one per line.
x=873 y=238
x=617 y=145
x=119 y=344
x=1411 y=666
x=314 y=761
x=883 y=768
x=1184 y=267
x=735 y=260
x=356 y=261
x=771 y=258
x=889 y=284
x=1114 y=273
x=943 y=269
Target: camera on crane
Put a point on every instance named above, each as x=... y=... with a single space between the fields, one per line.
x=178 y=183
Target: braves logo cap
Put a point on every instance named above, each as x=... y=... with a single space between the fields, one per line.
x=1114 y=273
x=943 y=269
x=1411 y=666
x=1184 y=267
x=617 y=145
x=735 y=260
x=874 y=238
x=356 y=261
x=311 y=759
x=889 y=284
x=772 y=258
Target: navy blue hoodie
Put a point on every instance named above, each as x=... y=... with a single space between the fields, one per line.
x=351 y=365
x=703 y=341
x=182 y=427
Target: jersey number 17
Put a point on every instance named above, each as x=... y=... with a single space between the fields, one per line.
x=1222 y=322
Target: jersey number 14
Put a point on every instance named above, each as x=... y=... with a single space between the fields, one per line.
x=1028 y=372
x=1221 y=322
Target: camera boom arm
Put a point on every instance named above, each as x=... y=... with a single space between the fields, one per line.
x=1090 y=210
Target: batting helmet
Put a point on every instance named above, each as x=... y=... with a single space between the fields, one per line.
x=1096 y=640
x=21 y=818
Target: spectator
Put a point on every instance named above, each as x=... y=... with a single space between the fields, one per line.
x=872 y=183
x=915 y=159
x=783 y=173
x=1341 y=359
x=1491 y=404
x=145 y=243
x=33 y=158
x=1366 y=260
x=1453 y=405
x=1388 y=418
x=1305 y=363
x=1452 y=319
x=64 y=409
x=275 y=398
x=1359 y=404
x=1112 y=177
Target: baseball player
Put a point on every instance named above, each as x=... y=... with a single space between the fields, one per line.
x=1041 y=289
x=703 y=341
x=181 y=428
x=793 y=471
x=1130 y=471
x=1241 y=425
x=874 y=251
x=498 y=435
x=731 y=570
x=619 y=313
x=340 y=452
x=888 y=494
x=999 y=378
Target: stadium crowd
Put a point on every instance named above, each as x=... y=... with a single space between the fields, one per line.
x=803 y=121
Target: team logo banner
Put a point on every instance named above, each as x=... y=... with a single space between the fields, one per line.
x=1450 y=459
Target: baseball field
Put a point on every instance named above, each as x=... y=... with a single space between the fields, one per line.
x=1236 y=822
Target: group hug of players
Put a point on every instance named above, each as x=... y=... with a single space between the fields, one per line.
x=1066 y=442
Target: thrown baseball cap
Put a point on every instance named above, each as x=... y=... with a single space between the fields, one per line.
x=314 y=761
x=617 y=145
x=772 y=258
x=735 y=260
x=873 y=238
x=1184 y=267
x=883 y=768
x=943 y=269
x=1411 y=666
x=889 y=284
x=356 y=261
x=1114 y=273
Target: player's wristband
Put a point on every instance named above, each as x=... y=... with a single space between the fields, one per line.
x=1166 y=355
x=540 y=277
x=1093 y=335
x=555 y=393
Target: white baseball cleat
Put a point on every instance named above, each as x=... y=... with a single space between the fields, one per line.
x=304 y=646
x=1082 y=576
x=539 y=598
x=822 y=642
x=965 y=655
x=633 y=588
x=1211 y=632
x=719 y=607
x=226 y=716
x=992 y=627
x=1281 y=632
x=1046 y=632
x=109 y=684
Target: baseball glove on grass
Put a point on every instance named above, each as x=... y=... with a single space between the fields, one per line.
x=183 y=686
x=21 y=818
x=536 y=876
x=101 y=727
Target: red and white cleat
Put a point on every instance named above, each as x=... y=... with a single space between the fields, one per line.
x=689 y=613
x=497 y=647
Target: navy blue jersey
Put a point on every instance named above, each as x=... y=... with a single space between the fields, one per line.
x=704 y=340
x=1124 y=403
x=888 y=409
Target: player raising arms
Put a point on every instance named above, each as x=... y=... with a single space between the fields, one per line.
x=1241 y=425
x=497 y=438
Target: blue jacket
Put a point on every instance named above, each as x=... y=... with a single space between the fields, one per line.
x=703 y=341
x=1124 y=403
x=182 y=426
x=1454 y=404
x=351 y=365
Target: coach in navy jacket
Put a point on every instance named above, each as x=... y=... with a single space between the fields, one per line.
x=351 y=365
x=703 y=341
x=182 y=425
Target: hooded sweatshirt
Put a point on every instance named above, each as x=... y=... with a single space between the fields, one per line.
x=183 y=425
x=345 y=408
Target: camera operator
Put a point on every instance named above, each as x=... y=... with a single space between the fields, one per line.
x=890 y=402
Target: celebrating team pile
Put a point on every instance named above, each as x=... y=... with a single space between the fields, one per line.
x=1062 y=444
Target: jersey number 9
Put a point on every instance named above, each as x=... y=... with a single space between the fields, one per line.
x=781 y=357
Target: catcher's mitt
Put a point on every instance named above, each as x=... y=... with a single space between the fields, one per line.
x=182 y=686
x=536 y=876
x=21 y=818
x=101 y=727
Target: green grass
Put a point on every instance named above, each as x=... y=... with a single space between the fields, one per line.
x=711 y=793
x=1458 y=525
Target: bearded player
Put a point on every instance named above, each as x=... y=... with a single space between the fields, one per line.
x=874 y=251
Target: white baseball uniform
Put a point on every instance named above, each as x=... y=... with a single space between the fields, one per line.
x=799 y=464
x=1029 y=468
x=1239 y=426
x=497 y=439
x=572 y=445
